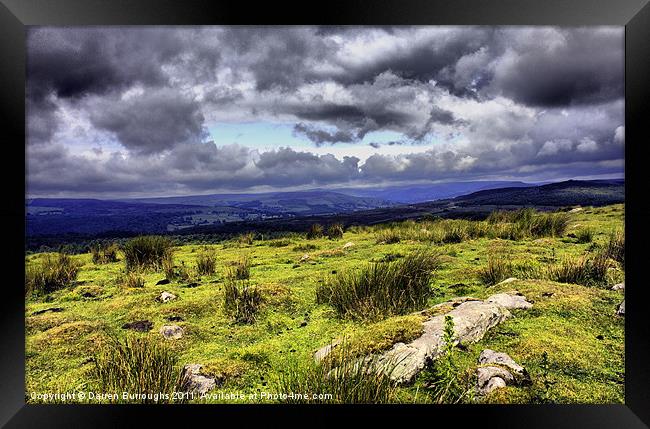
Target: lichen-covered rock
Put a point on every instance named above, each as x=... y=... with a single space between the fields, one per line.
x=621 y=309
x=511 y=301
x=498 y=370
x=194 y=381
x=166 y=296
x=171 y=332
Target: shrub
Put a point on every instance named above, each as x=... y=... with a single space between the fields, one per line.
x=444 y=379
x=586 y=271
x=241 y=300
x=206 y=263
x=381 y=289
x=335 y=231
x=315 y=231
x=246 y=238
x=241 y=269
x=346 y=379
x=496 y=270
x=585 y=235
x=54 y=273
x=146 y=252
x=104 y=254
x=139 y=366
x=132 y=279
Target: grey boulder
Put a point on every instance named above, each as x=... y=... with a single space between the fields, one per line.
x=498 y=370
x=171 y=332
x=195 y=382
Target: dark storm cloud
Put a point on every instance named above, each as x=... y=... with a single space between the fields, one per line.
x=128 y=109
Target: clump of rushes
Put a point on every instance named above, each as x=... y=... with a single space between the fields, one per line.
x=615 y=247
x=241 y=269
x=241 y=300
x=53 y=273
x=206 y=262
x=381 y=289
x=335 y=231
x=585 y=235
x=103 y=253
x=146 y=252
x=585 y=270
x=246 y=238
x=140 y=366
x=344 y=379
x=388 y=236
x=496 y=270
x=315 y=231
x=132 y=280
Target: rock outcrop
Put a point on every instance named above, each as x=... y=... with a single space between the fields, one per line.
x=472 y=319
x=498 y=370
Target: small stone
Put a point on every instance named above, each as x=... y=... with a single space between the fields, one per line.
x=619 y=286
x=348 y=245
x=575 y=210
x=305 y=257
x=162 y=282
x=166 y=296
x=621 y=309
x=171 y=332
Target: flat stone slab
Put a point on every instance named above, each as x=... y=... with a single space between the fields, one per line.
x=194 y=381
x=171 y=332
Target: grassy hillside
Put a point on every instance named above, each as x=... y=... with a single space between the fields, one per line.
x=571 y=341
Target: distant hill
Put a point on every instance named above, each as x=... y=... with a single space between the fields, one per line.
x=294 y=203
x=409 y=194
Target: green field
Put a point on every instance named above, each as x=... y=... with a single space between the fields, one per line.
x=576 y=325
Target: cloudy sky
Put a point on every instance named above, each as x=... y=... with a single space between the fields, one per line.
x=135 y=111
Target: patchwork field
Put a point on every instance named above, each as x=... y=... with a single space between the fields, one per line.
x=571 y=342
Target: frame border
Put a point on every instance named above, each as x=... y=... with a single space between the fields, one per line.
x=15 y=15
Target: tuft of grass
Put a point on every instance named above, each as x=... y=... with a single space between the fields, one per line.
x=54 y=273
x=132 y=280
x=344 y=379
x=247 y=238
x=496 y=270
x=585 y=235
x=280 y=243
x=206 y=263
x=172 y=272
x=335 y=231
x=585 y=270
x=241 y=300
x=381 y=289
x=146 y=252
x=140 y=366
x=104 y=254
x=241 y=269
x=315 y=231
x=304 y=247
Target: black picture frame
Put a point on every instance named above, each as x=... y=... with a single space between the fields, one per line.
x=15 y=15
